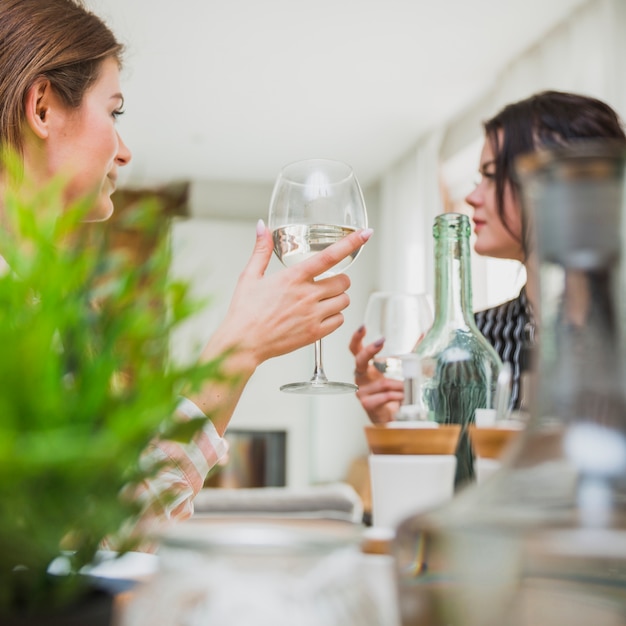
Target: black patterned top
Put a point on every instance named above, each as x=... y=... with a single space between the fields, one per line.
x=509 y=328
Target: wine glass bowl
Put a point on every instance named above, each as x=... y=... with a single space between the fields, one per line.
x=298 y=242
x=315 y=203
x=401 y=319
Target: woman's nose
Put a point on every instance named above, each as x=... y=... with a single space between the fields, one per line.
x=474 y=198
x=124 y=155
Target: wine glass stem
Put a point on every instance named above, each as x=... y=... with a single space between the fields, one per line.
x=319 y=378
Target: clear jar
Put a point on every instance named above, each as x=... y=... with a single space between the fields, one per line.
x=262 y=573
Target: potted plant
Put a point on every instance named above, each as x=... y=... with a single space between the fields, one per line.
x=86 y=384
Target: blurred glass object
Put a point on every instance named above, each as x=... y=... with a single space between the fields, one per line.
x=543 y=541
x=240 y=573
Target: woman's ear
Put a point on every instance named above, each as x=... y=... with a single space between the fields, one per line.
x=37 y=106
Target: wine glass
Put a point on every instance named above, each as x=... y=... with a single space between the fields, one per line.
x=402 y=319
x=315 y=203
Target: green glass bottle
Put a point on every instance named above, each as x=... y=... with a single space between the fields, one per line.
x=459 y=366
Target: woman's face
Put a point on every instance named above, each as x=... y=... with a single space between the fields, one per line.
x=85 y=145
x=493 y=238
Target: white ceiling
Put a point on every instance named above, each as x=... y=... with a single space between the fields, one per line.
x=231 y=90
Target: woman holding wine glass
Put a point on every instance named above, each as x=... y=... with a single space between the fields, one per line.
x=60 y=97
x=546 y=119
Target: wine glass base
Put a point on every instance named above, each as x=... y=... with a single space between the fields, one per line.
x=329 y=387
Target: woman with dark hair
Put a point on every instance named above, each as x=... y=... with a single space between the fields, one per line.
x=546 y=119
x=60 y=97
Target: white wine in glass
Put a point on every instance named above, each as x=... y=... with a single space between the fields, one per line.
x=315 y=203
x=296 y=243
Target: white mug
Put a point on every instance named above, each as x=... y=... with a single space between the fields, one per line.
x=405 y=484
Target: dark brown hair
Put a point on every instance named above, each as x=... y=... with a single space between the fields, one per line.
x=546 y=119
x=56 y=39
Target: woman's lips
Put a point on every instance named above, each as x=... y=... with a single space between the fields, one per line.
x=478 y=224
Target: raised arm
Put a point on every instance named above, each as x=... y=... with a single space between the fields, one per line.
x=268 y=316
x=271 y=315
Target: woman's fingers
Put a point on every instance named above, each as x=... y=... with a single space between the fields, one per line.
x=381 y=399
x=356 y=341
x=363 y=357
x=324 y=260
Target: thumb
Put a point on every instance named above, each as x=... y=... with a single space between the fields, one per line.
x=262 y=252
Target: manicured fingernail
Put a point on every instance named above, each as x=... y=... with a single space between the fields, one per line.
x=379 y=342
x=260 y=228
x=361 y=328
x=366 y=233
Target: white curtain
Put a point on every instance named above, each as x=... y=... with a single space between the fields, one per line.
x=410 y=199
x=585 y=54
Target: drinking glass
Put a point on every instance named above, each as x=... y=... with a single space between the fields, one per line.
x=315 y=203
x=402 y=319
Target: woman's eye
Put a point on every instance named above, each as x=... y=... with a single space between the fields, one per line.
x=490 y=176
x=117 y=113
x=485 y=175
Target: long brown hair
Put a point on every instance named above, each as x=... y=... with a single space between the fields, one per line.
x=56 y=39
x=545 y=119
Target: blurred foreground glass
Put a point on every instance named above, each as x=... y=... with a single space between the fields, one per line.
x=315 y=203
x=543 y=541
x=402 y=320
x=243 y=573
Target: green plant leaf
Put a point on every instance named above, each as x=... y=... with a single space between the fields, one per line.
x=87 y=383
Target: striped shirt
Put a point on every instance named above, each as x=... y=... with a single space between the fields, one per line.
x=168 y=496
x=509 y=329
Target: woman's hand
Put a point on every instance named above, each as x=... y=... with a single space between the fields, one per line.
x=379 y=396
x=273 y=314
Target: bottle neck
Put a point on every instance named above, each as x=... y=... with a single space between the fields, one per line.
x=453 y=282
